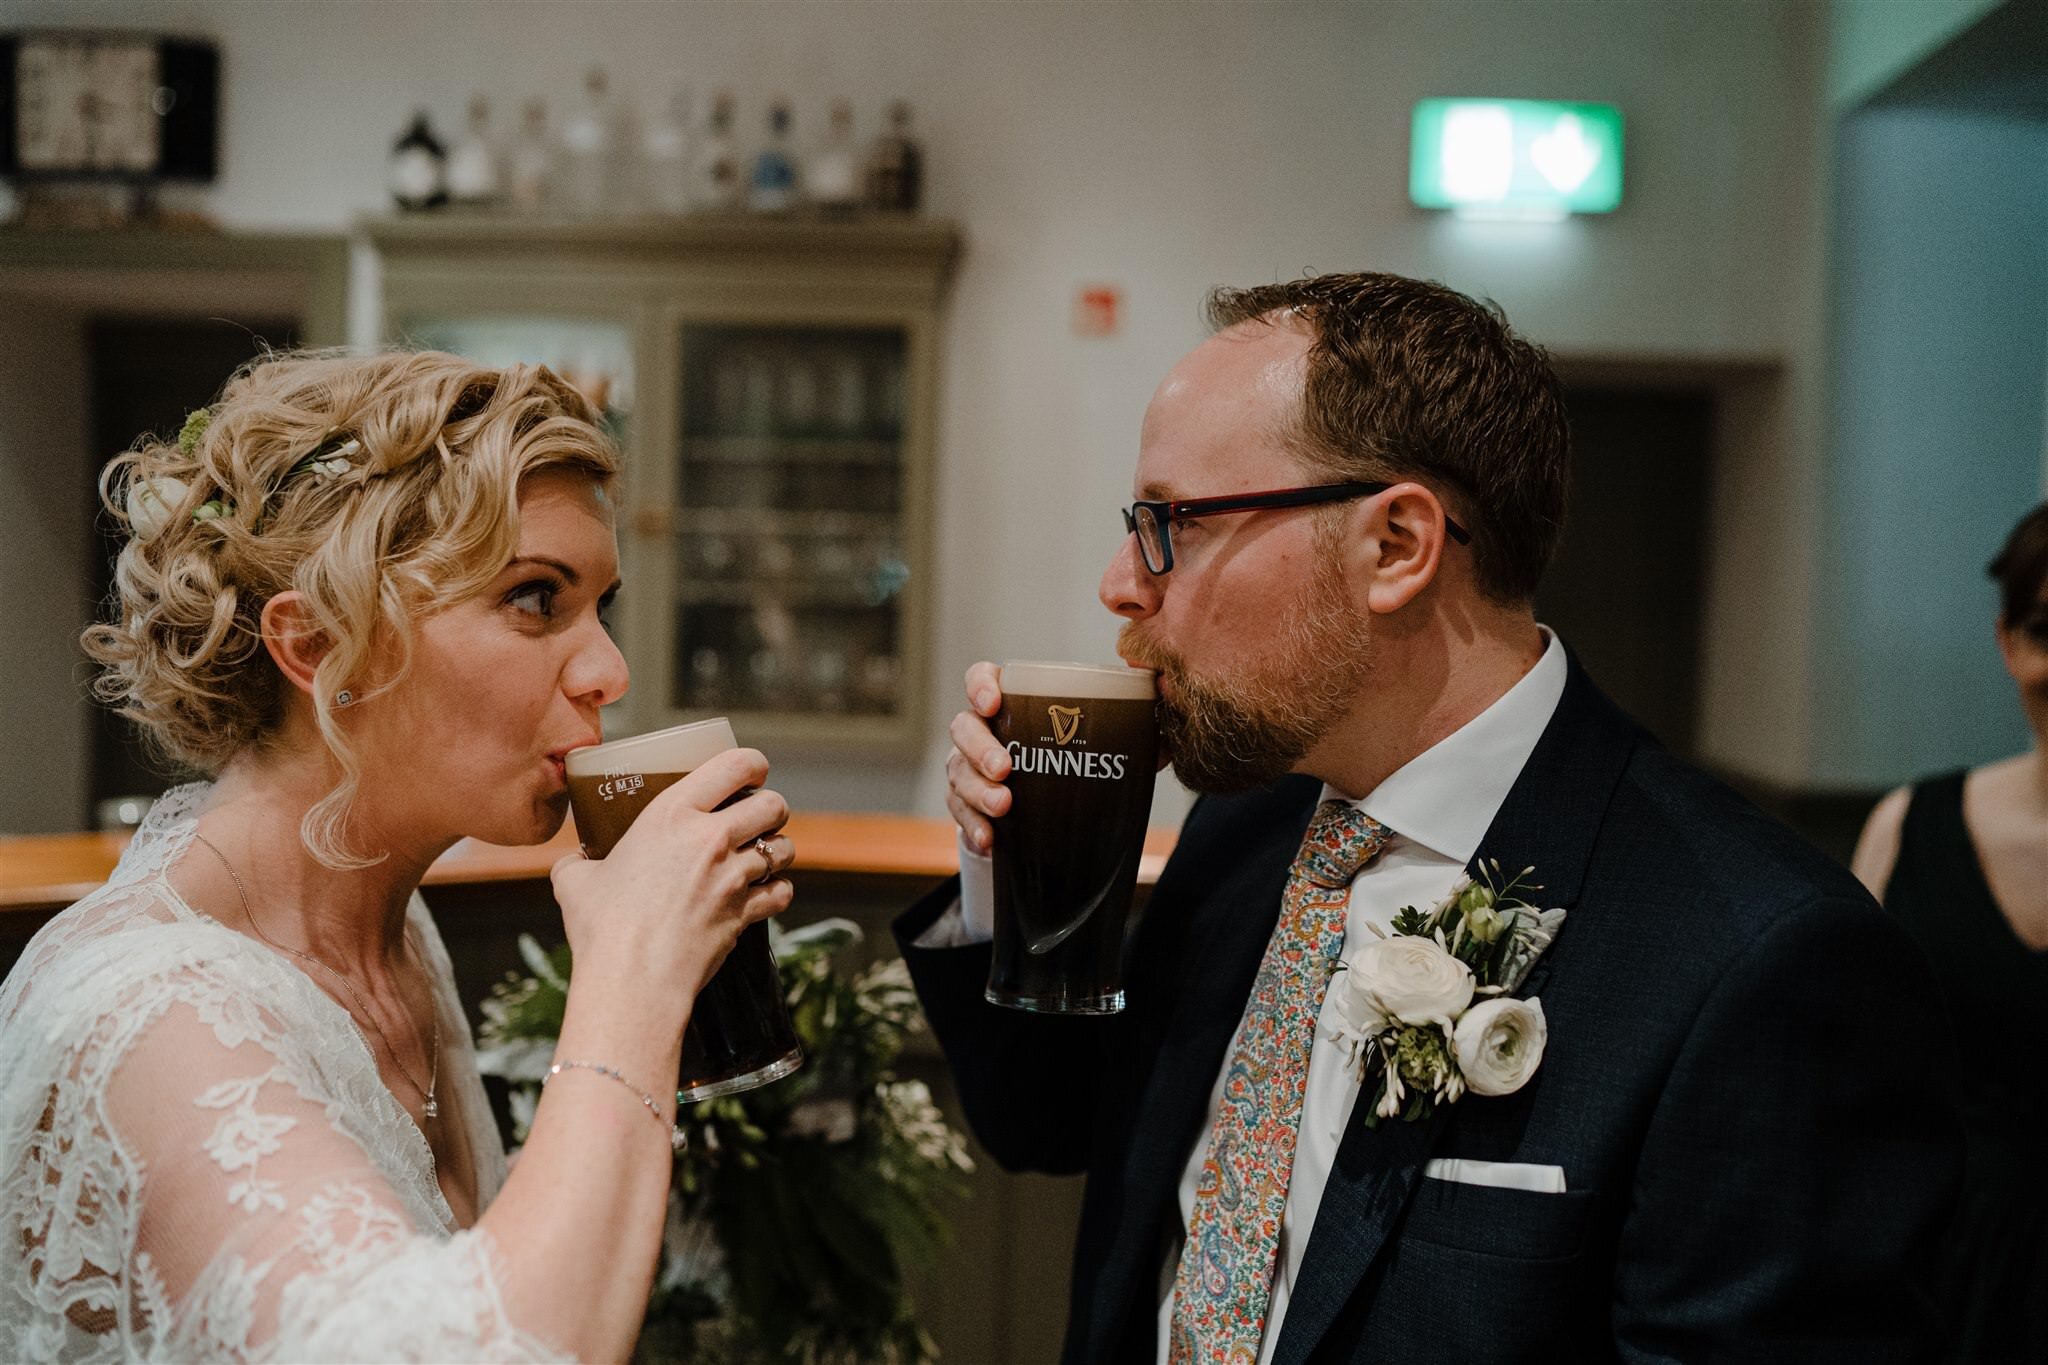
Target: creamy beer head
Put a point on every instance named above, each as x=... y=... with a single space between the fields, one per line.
x=1111 y=682
x=1083 y=742
x=678 y=749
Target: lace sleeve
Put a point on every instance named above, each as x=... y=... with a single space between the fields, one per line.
x=198 y=1187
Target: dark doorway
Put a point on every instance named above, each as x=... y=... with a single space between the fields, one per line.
x=1626 y=587
x=146 y=374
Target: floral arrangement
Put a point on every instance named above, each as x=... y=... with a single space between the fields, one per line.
x=797 y=1207
x=1406 y=1006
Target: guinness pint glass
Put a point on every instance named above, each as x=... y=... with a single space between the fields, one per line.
x=1084 y=750
x=739 y=1035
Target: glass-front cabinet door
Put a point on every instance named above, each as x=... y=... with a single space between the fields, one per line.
x=791 y=566
x=772 y=388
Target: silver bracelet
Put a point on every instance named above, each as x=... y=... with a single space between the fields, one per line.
x=677 y=1138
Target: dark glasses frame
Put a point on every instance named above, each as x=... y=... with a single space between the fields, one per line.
x=1152 y=522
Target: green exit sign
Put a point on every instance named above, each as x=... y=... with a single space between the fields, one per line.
x=1515 y=158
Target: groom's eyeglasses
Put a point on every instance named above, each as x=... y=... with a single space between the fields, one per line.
x=1152 y=522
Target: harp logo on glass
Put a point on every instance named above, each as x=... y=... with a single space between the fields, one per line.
x=1066 y=723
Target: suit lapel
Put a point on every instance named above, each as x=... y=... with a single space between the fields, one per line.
x=1550 y=820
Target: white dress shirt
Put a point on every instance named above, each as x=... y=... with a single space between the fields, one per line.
x=1439 y=806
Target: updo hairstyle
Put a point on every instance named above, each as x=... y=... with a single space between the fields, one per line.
x=383 y=488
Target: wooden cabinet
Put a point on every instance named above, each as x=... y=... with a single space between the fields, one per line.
x=773 y=384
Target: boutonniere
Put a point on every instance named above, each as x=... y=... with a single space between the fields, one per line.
x=1425 y=1009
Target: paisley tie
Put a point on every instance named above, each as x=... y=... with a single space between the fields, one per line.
x=1223 y=1285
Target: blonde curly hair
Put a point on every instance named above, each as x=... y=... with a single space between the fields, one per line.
x=423 y=514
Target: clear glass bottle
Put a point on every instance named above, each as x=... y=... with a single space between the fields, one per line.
x=896 y=166
x=773 y=188
x=475 y=171
x=833 y=177
x=665 y=157
x=716 y=182
x=590 y=148
x=530 y=165
x=419 y=167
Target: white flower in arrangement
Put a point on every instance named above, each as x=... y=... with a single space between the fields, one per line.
x=1411 y=979
x=1499 y=1045
x=833 y=1120
x=151 y=502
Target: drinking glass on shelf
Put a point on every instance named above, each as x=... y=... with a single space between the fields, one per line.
x=707 y=677
x=845 y=399
x=767 y=672
x=879 y=675
x=773 y=557
x=799 y=405
x=828 y=680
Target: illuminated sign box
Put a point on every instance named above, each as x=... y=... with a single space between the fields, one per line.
x=1515 y=158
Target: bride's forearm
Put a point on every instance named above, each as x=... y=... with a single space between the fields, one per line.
x=578 y=1225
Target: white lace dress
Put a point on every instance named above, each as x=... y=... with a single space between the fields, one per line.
x=199 y=1161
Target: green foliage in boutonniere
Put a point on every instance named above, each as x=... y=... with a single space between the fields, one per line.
x=1405 y=1004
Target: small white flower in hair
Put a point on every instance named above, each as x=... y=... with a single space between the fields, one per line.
x=150 y=503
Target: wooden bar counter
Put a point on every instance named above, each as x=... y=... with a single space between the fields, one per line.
x=46 y=872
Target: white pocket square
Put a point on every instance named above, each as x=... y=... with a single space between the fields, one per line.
x=1501 y=1175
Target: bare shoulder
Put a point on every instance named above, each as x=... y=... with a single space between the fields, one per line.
x=2006 y=812
x=1877 y=850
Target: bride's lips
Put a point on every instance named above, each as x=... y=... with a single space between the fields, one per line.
x=558 y=759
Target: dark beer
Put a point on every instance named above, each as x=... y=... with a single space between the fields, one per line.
x=1084 y=749
x=739 y=1035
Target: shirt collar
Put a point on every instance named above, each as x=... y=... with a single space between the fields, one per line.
x=1445 y=797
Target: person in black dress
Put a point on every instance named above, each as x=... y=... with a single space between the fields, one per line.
x=1962 y=860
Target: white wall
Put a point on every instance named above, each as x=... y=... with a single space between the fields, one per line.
x=44 y=735
x=1164 y=148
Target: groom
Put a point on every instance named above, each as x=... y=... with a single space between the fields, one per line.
x=1731 y=1148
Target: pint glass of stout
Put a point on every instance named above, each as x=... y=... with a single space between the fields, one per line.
x=739 y=1035
x=1084 y=749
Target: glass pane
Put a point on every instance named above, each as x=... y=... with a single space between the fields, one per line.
x=593 y=354
x=790 y=558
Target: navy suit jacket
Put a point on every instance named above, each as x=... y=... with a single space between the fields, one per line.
x=1739 y=1084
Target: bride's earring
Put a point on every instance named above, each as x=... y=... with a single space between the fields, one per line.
x=344 y=697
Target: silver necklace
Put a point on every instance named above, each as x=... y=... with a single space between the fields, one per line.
x=432 y=1108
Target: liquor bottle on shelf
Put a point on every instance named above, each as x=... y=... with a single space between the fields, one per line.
x=896 y=166
x=716 y=181
x=591 y=150
x=773 y=188
x=833 y=177
x=530 y=165
x=665 y=157
x=419 y=167
x=475 y=170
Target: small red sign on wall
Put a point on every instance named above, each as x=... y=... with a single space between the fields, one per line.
x=1098 y=310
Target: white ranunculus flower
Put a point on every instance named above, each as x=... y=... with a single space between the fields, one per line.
x=1412 y=979
x=1500 y=1044
x=151 y=502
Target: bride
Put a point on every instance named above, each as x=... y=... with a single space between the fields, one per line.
x=239 y=1114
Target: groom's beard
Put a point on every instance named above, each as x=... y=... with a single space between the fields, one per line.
x=1247 y=729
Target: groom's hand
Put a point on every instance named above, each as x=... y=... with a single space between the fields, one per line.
x=975 y=770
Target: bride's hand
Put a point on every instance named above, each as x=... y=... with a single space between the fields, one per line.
x=658 y=916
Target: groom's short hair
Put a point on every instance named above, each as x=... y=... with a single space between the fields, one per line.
x=1410 y=380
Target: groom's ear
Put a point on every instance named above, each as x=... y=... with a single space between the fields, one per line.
x=1397 y=549
x=294 y=641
